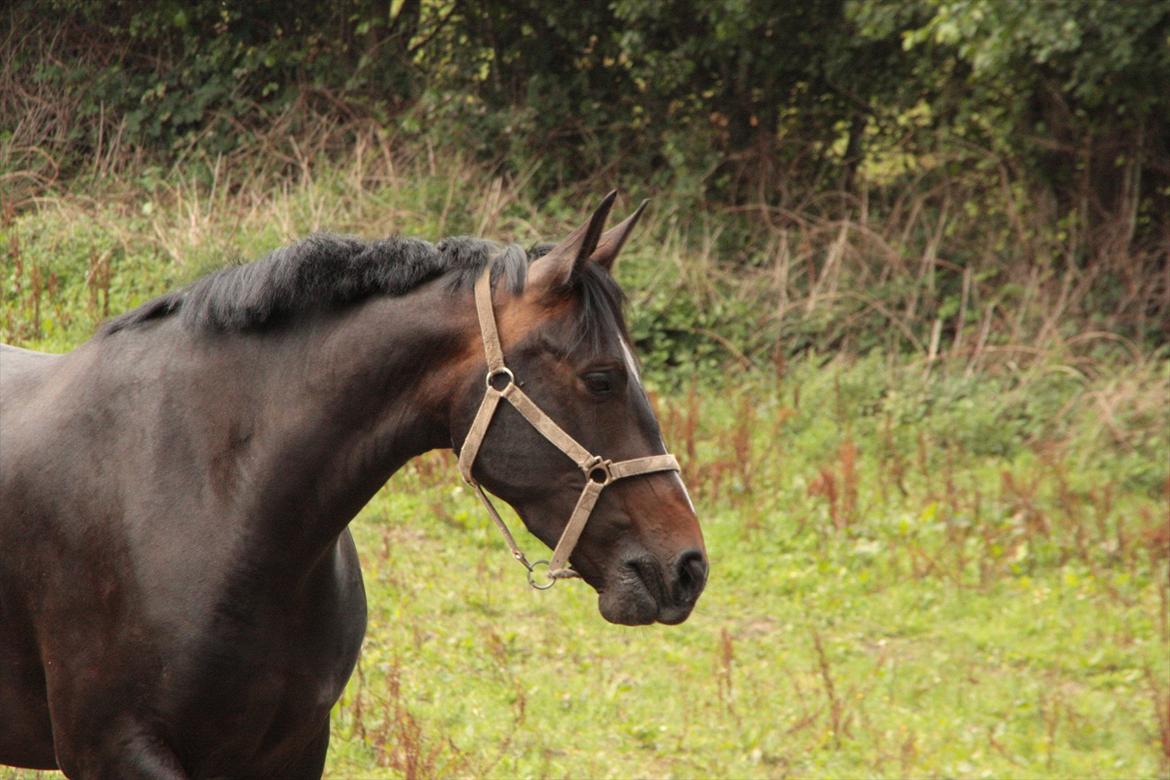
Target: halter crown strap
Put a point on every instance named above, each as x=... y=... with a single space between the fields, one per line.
x=487 y=322
x=598 y=471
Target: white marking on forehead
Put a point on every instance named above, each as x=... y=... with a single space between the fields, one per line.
x=683 y=485
x=631 y=364
x=632 y=368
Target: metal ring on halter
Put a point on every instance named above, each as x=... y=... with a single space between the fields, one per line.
x=599 y=465
x=502 y=371
x=532 y=579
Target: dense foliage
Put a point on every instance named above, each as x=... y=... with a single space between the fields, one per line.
x=811 y=84
x=997 y=163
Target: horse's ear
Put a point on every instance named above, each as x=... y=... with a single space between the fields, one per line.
x=554 y=270
x=614 y=239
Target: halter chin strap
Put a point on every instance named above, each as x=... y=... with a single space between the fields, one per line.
x=598 y=471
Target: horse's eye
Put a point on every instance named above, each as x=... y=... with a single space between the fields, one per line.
x=598 y=382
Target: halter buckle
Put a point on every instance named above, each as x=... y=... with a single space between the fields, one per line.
x=597 y=470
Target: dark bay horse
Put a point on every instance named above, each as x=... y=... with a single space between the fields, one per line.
x=179 y=593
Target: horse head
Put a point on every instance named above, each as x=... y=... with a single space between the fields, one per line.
x=577 y=414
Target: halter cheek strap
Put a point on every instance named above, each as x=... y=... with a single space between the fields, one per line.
x=598 y=471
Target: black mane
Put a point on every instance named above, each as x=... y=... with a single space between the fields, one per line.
x=326 y=271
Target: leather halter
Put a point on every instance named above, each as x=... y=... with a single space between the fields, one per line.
x=598 y=471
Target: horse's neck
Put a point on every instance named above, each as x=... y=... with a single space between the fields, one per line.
x=361 y=393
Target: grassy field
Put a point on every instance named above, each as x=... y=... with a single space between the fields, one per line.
x=920 y=567
x=1005 y=615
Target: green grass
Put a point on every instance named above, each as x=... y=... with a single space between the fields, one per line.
x=910 y=641
x=921 y=570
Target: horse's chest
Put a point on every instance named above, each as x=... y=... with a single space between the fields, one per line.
x=264 y=679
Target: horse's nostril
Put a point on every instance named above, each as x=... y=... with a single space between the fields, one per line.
x=690 y=575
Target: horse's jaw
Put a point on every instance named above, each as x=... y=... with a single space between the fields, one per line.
x=627 y=606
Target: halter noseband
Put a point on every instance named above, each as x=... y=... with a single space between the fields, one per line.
x=598 y=471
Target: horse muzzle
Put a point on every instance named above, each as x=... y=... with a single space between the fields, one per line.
x=643 y=591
